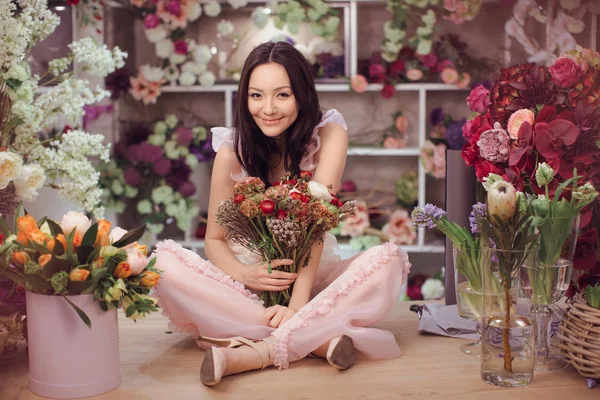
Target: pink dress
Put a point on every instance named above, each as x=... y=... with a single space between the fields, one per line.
x=348 y=296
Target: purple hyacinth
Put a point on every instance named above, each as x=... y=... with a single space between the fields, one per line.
x=454 y=135
x=480 y=209
x=436 y=116
x=427 y=216
x=187 y=189
x=162 y=167
x=184 y=136
x=132 y=176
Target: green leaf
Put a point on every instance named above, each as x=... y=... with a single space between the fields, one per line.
x=80 y=312
x=151 y=263
x=4 y=228
x=58 y=248
x=79 y=287
x=39 y=248
x=37 y=284
x=130 y=237
x=54 y=228
x=56 y=264
x=19 y=212
x=41 y=222
x=130 y=310
x=90 y=236
x=83 y=253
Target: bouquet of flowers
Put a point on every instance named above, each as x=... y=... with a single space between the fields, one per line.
x=283 y=221
x=78 y=257
x=153 y=168
x=62 y=161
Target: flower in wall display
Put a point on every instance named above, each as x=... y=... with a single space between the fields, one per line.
x=89 y=13
x=421 y=287
x=185 y=62
x=325 y=56
x=151 y=171
x=407 y=189
x=564 y=20
x=394 y=136
x=63 y=161
x=447 y=61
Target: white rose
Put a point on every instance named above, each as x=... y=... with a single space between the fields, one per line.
x=225 y=28
x=11 y=165
x=116 y=234
x=176 y=58
x=207 y=79
x=137 y=260
x=153 y=74
x=156 y=34
x=432 y=289
x=172 y=74
x=237 y=3
x=194 y=11
x=187 y=79
x=202 y=54
x=319 y=191
x=75 y=220
x=31 y=179
x=164 y=48
x=212 y=9
x=193 y=68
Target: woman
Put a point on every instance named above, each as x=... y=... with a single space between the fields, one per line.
x=279 y=129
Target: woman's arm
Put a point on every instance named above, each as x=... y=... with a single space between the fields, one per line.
x=221 y=188
x=332 y=160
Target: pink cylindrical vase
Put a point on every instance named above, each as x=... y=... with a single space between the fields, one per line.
x=66 y=358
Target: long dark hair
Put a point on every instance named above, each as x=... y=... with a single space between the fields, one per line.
x=253 y=148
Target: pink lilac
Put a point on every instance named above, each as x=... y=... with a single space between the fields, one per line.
x=187 y=189
x=174 y=8
x=442 y=65
x=494 y=145
x=151 y=21
x=427 y=216
x=429 y=60
x=184 y=136
x=132 y=176
x=162 y=167
x=181 y=47
x=480 y=209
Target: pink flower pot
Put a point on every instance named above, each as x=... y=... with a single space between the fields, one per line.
x=66 y=358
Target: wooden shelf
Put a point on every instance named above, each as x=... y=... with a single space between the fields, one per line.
x=377 y=151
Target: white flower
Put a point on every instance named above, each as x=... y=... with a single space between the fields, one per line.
x=74 y=220
x=144 y=206
x=570 y=4
x=156 y=140
x=162 y=194
x=225 y=28
x=187 y=79
x=202 y=54
x=392 y=47
x=171 y=150
x=177 y=58
x=207 y=79
x=259 y=17
x=156 y=34
x=17 y=72
x=117 y=187
x=393 y=34
x=116 y=234
x=193 y=68
x=160 y=128
x=319 y=191
x=212 y=9
x=237 y=3
x=171 y=120
x=566 y=42
x=31 y=179
x=59 y=65
x=191 y=160
x=172 y=74
x=194 y=11
x=424 y=47
x=11 y=165
x=97 y=60
x=164 y=48
x=151 y=73
x=320 y=45
x=307 y=52
x=137 y=260
x=432 y=289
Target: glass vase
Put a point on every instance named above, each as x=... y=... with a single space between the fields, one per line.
x=507 y=350
x=546 y=281
x=467 y=278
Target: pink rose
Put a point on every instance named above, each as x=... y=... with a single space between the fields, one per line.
x=479 y=99
x=565 y=72
x=356 y=224
x=494 y=144
x=181 y=47
x=464 y=80
x=400 y=229
x=151 y=21
x=429 y=60
x=414 y=74
x=377 y=72
x=359 y=83
x=516 y=120
x=449 y=76
x=388 y=90
x=433 y=158
x=137 y=260
x=444 y=64
x=401 y=123
x=391 y=142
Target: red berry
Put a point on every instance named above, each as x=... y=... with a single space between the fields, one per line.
x=267 y=206
x=305 y=199
x=296 y=195
x=239 y=198
x=1 y=238
x=276 y=183
x=335 y=201
x=306 y=175
x=291 y=182
x=281 y=214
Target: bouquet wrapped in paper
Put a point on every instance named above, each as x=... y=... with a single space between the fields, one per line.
x=283 y=221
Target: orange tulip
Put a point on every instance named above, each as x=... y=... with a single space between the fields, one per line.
x=27 y=224
x=37 y=237
x=103 y=233
x=77 y=239
x=20 y=258
x=97 y=263
x=79 y=275
x=63 y=240
x=123 y=270
x=44 y=259
x=22 y=238
x=149 y=279
x=50 y=245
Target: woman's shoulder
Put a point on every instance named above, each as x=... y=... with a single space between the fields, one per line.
x=334 y=116
x=222 y=137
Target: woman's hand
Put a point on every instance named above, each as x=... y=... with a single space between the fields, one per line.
x=256 y=276
x=276 y=315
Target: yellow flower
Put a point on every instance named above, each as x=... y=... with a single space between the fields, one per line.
x=149 y=279
x=27 y=224
x=502 y=200
x=79 y=275
x=103 y=233
x=37 y=237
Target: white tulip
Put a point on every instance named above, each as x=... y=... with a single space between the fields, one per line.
x=116 y=234
x=202 y=54
x=75 y=220
x=187 y=79
x=164 y=48
x=207 y=79
x=319 y=191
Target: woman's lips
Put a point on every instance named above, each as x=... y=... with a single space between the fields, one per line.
x=271 y=121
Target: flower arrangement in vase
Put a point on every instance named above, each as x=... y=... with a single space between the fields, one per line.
x=446 y=133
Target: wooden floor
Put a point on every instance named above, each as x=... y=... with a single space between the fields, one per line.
x=157 y=365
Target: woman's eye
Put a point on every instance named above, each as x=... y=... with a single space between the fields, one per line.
x=284 y=95
x=254 y=95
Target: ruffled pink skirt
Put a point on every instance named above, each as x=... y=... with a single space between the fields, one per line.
x=348 y=297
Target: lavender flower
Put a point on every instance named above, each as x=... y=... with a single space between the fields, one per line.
x=454 y=135
x=436 y=116
x=427 y=216
x=481 y=210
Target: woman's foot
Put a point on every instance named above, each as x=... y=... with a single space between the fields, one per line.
x=338 y=352
x=250 y=355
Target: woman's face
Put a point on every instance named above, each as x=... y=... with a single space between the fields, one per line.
x=271 y=101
